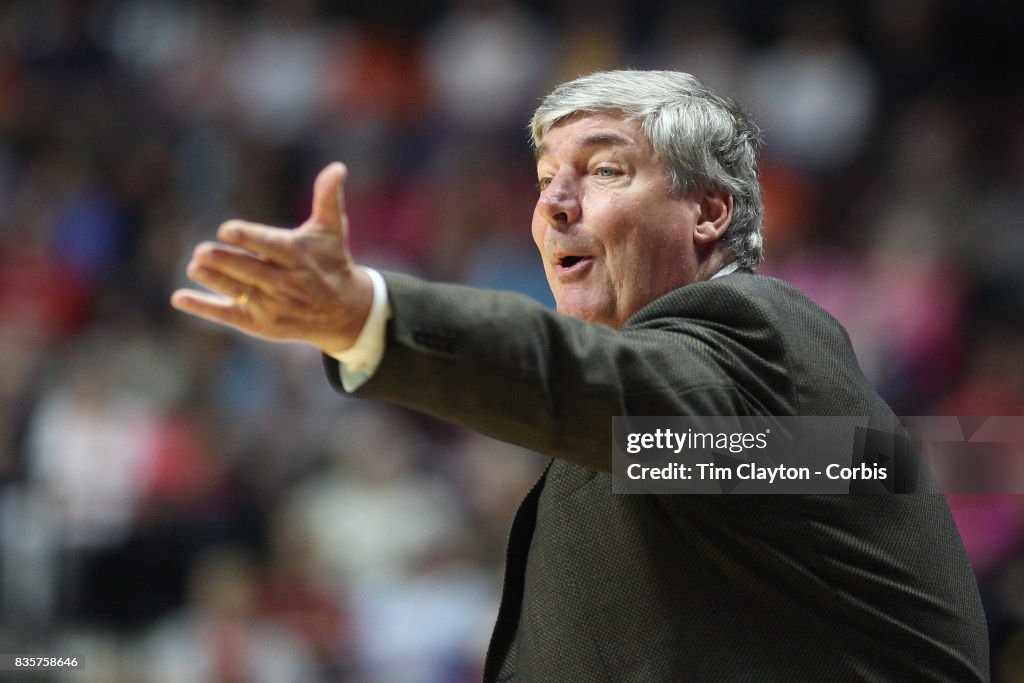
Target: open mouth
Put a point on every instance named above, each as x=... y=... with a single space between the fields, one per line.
x=573 y=266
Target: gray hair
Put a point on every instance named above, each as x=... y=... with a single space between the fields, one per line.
x=708 y=142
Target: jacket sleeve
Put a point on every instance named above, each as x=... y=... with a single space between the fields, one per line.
x=505 y=366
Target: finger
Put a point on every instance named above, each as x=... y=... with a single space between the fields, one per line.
x=272 y=283
x=210 y=307
x=248 y=269
x=328 y=214
x=272 y=244
x=218 y=282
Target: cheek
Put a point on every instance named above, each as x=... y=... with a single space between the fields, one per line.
x=628 y=238
x=612 y=220
x=537 y=229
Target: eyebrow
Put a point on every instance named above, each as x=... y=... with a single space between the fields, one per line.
x=595 y=140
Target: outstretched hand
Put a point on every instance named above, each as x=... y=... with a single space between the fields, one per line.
x=277 y=283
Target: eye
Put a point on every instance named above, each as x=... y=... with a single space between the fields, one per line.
x=607 y=172
x=543 y=183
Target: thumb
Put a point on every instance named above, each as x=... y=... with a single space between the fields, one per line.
x=328 y=213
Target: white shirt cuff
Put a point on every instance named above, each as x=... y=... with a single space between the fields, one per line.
x=360 y=361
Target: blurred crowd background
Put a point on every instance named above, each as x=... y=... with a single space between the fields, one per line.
x=179 y=503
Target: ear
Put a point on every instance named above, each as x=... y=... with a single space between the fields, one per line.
x=715 y=217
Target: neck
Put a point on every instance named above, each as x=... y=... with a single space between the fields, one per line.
x=709 y=266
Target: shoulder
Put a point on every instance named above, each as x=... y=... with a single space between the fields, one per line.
x=745 y=305
x=736 y=297
x=767 y=336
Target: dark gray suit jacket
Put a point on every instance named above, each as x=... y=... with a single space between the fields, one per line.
x=603 y=587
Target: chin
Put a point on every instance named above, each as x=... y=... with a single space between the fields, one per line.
x=589 y=314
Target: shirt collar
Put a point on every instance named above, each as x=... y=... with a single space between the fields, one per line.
x=730 y=267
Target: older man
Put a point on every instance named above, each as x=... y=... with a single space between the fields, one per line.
x=648 y=222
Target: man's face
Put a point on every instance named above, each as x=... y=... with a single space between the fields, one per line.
x=612 y=234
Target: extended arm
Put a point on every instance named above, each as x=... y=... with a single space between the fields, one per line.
x=504 y=365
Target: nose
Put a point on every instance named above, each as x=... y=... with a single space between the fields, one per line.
x=559 y=202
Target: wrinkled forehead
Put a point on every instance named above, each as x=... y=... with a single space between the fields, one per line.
x=594 y=129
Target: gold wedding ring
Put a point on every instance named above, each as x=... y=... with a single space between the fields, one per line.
x=243 y=299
